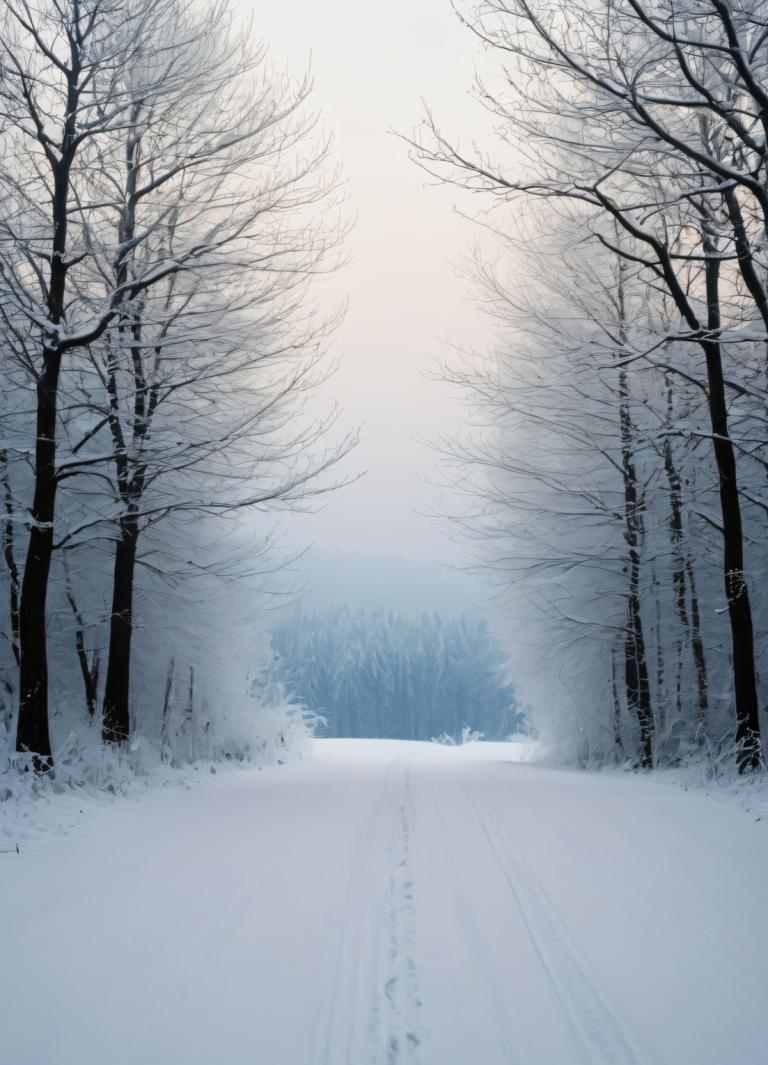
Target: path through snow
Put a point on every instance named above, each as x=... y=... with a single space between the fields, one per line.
x=391 y=904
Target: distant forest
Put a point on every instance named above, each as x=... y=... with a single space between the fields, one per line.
x=380 y=674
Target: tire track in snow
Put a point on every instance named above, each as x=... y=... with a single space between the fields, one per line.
x=397 y=994
x=604 y=1037
x=496 y=998
x=337 y=1037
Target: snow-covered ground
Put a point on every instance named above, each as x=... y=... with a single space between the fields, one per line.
x=391 y=904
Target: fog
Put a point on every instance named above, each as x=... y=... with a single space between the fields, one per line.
x=373 y=66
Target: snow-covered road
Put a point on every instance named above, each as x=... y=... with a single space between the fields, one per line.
x=392 y=904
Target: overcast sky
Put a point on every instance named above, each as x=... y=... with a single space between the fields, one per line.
x=373 y=63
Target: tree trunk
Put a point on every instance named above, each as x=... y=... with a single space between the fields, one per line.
x=9 y=553
x=661 y=695
x=683 y=574
x=165 y=740
x=32 y=733
x=748 y=743
x=636 y=662
x=116 y=722
x=697 y=645
x=89 y=673
x=618 y=742
x=638 y=684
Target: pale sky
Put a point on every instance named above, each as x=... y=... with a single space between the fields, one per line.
x=373 y=63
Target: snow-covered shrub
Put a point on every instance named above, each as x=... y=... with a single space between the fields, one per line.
x=467 y=735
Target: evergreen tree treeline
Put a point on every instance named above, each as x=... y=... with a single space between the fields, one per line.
x=379 y=674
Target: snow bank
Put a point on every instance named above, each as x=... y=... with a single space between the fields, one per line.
x=254 y=733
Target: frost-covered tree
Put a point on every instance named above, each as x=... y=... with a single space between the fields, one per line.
x=589 y=484
x=164 y=205
x=638 y=130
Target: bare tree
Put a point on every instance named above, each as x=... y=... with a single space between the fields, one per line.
x=132 y=138
x=648 y=118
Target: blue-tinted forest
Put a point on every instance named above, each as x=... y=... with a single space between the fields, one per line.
x=381 y=674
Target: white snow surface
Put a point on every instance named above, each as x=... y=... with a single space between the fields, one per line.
x=391 y=903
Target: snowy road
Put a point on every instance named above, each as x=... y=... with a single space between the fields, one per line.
x=391 y=904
